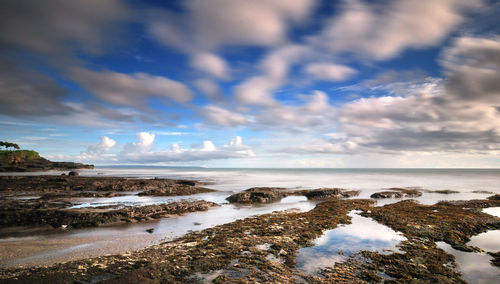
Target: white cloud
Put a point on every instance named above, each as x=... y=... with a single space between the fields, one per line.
x=258 y=90
x=170 y=133
x=145 y=143
x=381 y=31
x=315 y=114
x=97 y=152
x=210 y=64
x=130 y=90
x=208 y=146
x=143 y=151
x=223 y=117
x=329 y=72
x=457 y=115
x=473 y=68
x=205 y=25
x=209 y=88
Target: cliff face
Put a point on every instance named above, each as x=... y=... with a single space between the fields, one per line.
x=30 y=161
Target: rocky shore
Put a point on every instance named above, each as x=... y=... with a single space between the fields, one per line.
x=235 y=253
x=273 y=194
x=16 y=213
x=46 y=200
x=71 y=184
x=397 y=193
x=30 y=161
x=257 y=249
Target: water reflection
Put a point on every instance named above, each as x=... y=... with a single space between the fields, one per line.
x=495 y=211
x=218 y=197
x=475 y=267
x=338 y=244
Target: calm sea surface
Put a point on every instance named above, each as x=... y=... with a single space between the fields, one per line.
x=463 y=180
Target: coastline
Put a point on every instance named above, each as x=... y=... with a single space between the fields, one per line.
x=137 y=245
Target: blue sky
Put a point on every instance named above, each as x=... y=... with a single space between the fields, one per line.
x=223 y=83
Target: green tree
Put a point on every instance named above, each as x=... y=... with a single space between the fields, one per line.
x=8 y=145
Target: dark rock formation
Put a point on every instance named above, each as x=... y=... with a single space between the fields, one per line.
x=67 y=184
x=494 y=197
x=272 y=194
x=90 y=217
x=443 y=191
x=179 y=187
x=30 y=161
x=322 y=193
x=397 y=193
x=258 y=195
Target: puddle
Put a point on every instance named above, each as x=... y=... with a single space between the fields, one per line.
x=495 y=211
x=475 y=267
x=135 y=200
x=488 y=241
x=338 y=244
x=18 y=197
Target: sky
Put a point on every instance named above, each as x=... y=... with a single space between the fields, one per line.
x=262 y=83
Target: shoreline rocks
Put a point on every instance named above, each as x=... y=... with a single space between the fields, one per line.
x=258 y=195
x=274 y=194
x=232 y=251
x=323 y=193
x=397 y=193
x=56 y=216
x=67 y=184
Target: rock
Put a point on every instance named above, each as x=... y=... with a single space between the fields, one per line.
x=397 y=193
x=150 y=230
x=494 y=197
x=443 y=191
x=16 y=213
x=30 y=161
x=186 y=182
x=183 y=188
x=258 y=195
x=58 y=184
x=73 y=174
x=322 y=193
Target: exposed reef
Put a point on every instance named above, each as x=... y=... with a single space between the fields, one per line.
x=273 y=194
x=443 y=191
x=259 y=195
x=397 y=193
x=65 y=184
x=324 y=193
x=17 y=213
x=46 y=200
x=263 y=249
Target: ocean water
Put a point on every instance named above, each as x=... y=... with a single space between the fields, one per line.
x=368 y=181
x=237 y=179
x=360 y=179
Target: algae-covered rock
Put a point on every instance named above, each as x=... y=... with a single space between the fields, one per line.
x=323 y=193
x=258 y=195
x=397 y=193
